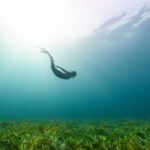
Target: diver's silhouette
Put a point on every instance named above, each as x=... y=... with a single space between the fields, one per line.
x=63 y=75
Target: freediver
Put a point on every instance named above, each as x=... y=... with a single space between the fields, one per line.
x=61 y=74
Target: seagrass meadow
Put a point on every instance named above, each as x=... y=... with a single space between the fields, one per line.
x=75 y=135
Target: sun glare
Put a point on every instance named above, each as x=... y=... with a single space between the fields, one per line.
x=43 y=22
x=34 y=22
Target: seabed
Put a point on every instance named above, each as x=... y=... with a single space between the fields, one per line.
x=75 y=135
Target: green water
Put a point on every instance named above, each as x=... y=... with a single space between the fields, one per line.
x=113 y=76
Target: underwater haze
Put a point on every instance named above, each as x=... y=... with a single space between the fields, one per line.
x=113 y=73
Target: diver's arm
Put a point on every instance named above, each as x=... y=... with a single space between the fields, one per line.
x=62 y=69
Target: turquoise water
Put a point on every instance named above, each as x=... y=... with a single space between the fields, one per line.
x=113 y=75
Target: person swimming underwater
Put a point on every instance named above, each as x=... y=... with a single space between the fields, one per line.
x=61 y=74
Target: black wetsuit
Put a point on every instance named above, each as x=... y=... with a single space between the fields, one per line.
x=63 y=75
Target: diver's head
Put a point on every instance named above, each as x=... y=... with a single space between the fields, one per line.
x=73 y=74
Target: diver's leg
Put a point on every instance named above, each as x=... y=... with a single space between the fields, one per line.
x=43 y=50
